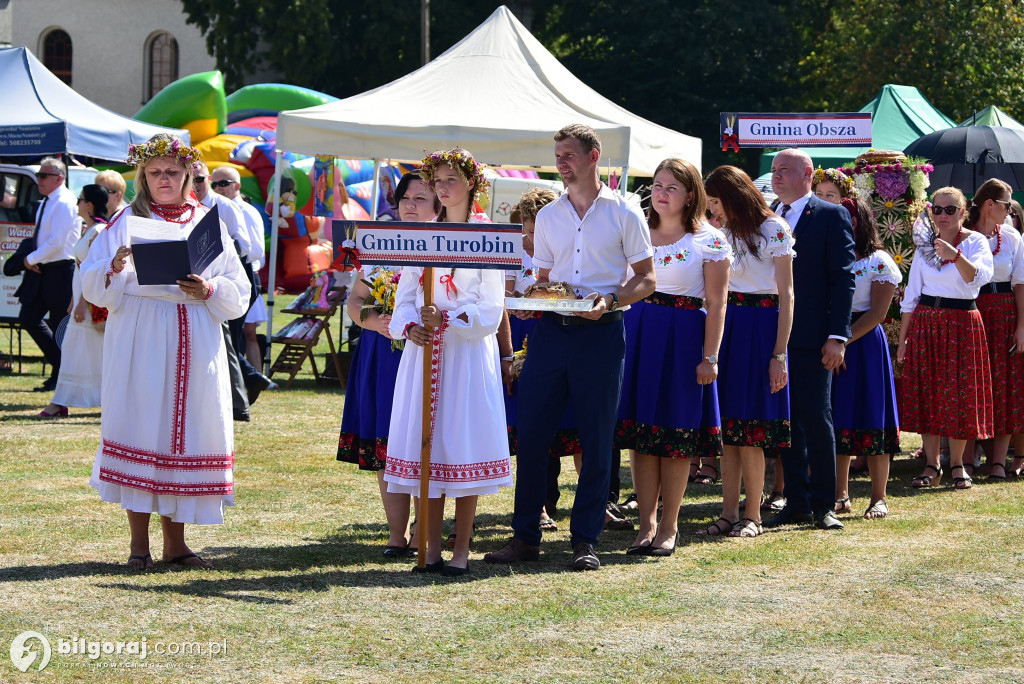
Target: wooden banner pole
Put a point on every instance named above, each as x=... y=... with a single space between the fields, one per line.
x=423 y=524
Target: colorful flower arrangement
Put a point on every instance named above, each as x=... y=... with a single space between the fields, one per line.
x=383 y=284
x=895 y=188
x=163 y=146
x=460 y=160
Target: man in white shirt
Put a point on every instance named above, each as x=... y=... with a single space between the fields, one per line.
x=231 y=214
x=588 y=238
x=46 y=286
x=226 y=181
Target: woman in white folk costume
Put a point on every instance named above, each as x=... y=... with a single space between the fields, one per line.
x=81 y=366
x=167 y=445
x=1000 y=310
x=469 y=448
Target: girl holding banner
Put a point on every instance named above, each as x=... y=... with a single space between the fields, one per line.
x=468 y=444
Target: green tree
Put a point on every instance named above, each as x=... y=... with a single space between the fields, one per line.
x=339 y=47
x=680 y=63
x=963 y=56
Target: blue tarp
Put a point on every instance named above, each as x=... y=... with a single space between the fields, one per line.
x=43 y=115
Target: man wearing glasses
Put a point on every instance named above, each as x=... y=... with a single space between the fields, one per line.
x=46 y=285
x=226 y=181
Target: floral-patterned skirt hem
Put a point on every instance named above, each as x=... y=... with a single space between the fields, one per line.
x=999 y=314
x=946 y=388
x=756 y=432
x=868 y=442
x=668 y=442
x=565 y=443
x=368 y=454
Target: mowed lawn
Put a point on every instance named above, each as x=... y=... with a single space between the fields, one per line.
x=301 y=592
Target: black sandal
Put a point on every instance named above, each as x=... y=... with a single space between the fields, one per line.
x=922 y=480
x=706 y=479
x=961 y=482
x=144 y=558
x=719 y=531
x=992 y=477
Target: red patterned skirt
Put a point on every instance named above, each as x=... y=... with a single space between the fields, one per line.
x=946 y=387
x=999 y=313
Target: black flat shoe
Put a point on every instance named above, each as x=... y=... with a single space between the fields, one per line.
x=641 y=550
x=430 y=567
x=393 y=552
x=453 y=571
x=659 y=552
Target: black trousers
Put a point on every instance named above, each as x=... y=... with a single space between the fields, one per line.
x=52 y=298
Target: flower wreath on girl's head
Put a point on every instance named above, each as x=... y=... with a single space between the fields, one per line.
x=460 y=160
x=163 y=146
x=838 y=178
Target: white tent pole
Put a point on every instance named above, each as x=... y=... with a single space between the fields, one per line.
x=375 y=195
x=622 y=181
x=275 y=215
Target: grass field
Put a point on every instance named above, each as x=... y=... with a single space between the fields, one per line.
x=301 y=592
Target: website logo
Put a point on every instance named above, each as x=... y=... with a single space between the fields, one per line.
x=23 y=656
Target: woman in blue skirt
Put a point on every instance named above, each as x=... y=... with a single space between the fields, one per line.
x=371 y=381
x=752 y=386
x=669 y=405
x=863 y=392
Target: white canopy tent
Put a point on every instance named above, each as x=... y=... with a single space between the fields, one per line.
x=498 y=93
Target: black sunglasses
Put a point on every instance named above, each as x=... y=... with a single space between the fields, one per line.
x=222 y=183
x=44 y=174
x=199 y=179
x=950 y=210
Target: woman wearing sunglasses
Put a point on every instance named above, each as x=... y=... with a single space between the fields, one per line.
x=947 y=385
x=999 y=312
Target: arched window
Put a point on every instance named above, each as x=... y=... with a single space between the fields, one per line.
x=163 y=62
x=57 y=54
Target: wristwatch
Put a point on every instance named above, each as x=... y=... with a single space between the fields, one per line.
x=615 y=301
x=711 y=359
x=781 y=358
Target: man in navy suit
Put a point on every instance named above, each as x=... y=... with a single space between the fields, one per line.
x=823 y=284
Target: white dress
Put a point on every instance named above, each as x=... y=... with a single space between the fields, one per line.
x=167 y=441
x=469 y=454
x=81 y=357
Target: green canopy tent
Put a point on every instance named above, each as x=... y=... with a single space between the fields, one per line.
x=899 y=116
x=993 y=116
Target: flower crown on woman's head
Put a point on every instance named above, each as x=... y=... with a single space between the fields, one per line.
x=460 y=160
x=163 y=147
x=841 y=181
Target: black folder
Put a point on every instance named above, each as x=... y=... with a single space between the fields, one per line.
x=167 y=262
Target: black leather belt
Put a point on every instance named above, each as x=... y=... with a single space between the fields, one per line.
x=993 y=288
x=63 y=263
x=567 y=321
x=948 y=303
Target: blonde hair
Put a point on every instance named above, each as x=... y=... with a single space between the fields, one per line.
x=112 y=178
x=532 y=201
x=142 y=201
x=955 y=193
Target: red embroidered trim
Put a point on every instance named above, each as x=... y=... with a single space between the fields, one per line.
x=443 y=472
x=181 y=381
x=437 y=356
x=162 y=461
x=166 y=488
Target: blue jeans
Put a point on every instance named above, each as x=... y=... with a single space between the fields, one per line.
x=582 y=365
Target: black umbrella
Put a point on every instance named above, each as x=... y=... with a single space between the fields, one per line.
x=967 y=156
